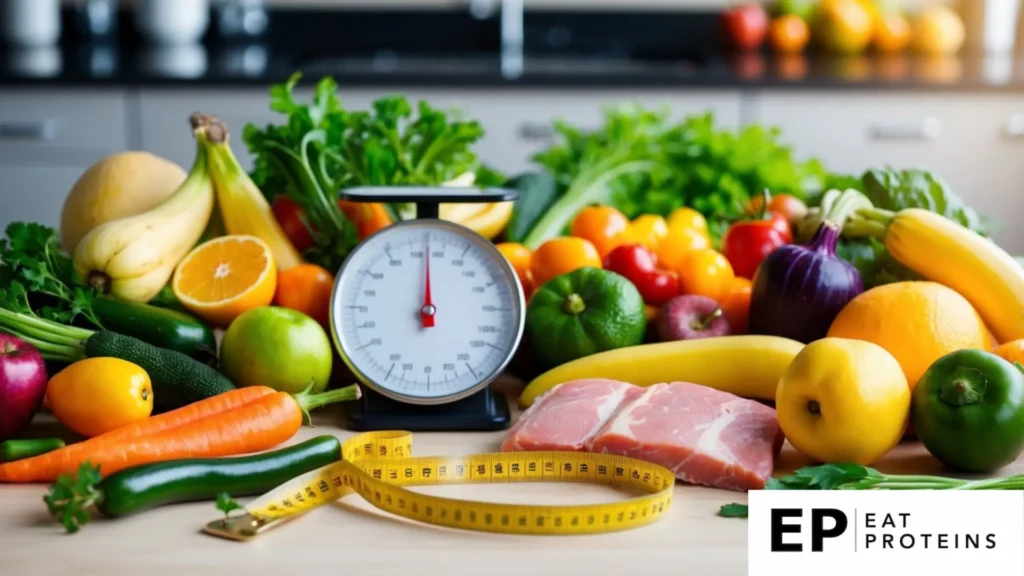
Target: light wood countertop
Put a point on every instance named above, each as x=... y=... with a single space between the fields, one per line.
x=354 y=539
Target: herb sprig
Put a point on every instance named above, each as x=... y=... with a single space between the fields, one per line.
x=39 y=277
x=71 y=496
x=848 y=476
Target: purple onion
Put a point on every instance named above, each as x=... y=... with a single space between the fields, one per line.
x=799 y=290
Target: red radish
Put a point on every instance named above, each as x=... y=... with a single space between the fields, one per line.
x=22 y=384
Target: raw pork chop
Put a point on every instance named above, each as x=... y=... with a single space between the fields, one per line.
x=704 y=435
x=569 y=415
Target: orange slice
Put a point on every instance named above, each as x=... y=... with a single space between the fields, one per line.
x=224 y=277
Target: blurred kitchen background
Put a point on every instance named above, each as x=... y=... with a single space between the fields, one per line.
x=934 y=84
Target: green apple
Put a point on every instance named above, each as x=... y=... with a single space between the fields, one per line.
x=277 y=347
x=802 y=8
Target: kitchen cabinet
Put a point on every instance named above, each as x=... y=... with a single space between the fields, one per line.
x=973 y=141
x=47 y=139
x=517 y=122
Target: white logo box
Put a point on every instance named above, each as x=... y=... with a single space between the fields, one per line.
x=904 y=533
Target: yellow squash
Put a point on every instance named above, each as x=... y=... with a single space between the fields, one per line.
x=133 y=258
x=242 y=207
x=943 y=251
x=747 y=365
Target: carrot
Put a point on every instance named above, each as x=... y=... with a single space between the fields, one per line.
x=199 y=430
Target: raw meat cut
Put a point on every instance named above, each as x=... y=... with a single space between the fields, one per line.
x=705 y=436
x=569 y=415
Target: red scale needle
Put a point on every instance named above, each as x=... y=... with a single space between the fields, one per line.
x=428 y=310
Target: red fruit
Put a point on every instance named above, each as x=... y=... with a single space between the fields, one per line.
x=637 y=264
x=748 y=242
x=745 y=27
x=22 y=385
x=292 y=218
x=691 y=317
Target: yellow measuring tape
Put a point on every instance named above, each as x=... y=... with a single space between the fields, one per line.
x=378 y=466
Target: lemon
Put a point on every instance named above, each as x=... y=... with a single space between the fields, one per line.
x=843 y=400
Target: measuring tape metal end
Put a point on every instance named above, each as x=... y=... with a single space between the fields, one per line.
x=241 y=528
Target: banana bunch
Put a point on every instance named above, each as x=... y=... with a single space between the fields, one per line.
x=486 y=219
x=133 y=258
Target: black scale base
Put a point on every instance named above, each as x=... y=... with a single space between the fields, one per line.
x=483 y=411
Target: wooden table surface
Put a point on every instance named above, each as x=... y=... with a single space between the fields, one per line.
x=351 y=537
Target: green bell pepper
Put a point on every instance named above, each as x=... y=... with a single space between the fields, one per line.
x=968 y=410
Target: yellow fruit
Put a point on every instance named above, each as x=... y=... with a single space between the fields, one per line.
x=1012 y=351
x=843 y=401
x=686 y=217
x=97 y=395
x=118 y=186
x=916 y=322
x=224 y=277
x=748 y=366
x=133 y=258
x=892 y=33
x=937 y=31
x=491 y=221
x=648 y=230
x=843 y=26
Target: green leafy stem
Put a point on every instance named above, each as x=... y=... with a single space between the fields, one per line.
x=856 y=477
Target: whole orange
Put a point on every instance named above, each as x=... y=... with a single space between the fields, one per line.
x=518 y=257
x=306 y=288
x=789 y=33
x=648 y=230
x=680 y=242
x=705 y=272
x=892 y=33
x=561 y=255
x=603 y=226
x=1012 y=351
x=736 y=304
x=917 y=322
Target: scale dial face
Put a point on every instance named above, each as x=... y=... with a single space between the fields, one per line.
x=419 y=345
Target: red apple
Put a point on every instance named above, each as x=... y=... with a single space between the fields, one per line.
x=690 y=317
x=22 y=384
x=745 y=27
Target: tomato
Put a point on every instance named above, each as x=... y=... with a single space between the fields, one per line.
x=687 y=218
x=561 y=255
x=636 y=263
x=291 y=217
x=368 y=217
x=306 y=288
x=788 y=33
x=604 y=226
x=680 y=242
x=648 y=230
x=790 y=207
x=705 y=272
x=736 y=304
x=518 y=257
x=748 y=242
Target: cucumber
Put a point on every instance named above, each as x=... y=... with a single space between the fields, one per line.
x=148 y=486
x=12 y=450
x=177 y=379
x=161 y=327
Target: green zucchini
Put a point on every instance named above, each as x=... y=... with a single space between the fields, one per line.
x=12 y=450
x=149 y=486
x=161 y=327
x=177 y=379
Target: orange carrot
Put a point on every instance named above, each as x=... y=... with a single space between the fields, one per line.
x=258 y=420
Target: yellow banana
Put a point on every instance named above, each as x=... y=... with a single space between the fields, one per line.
x=133 y=258
x=461 y=212
x=491 y=221
x=943 y=251
x=243 y=208
x=747 y=365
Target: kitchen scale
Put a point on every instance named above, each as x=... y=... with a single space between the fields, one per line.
x=426 y=313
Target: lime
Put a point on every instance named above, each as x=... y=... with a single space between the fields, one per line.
x=276 y=347
x=583 y=312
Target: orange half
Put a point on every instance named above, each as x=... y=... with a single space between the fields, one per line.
x=224 y=277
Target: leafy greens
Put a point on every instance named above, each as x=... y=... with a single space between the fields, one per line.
x=848 y=476
x=39 y=278
x=643 y=163
x=893 y=189
x=322 y=148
